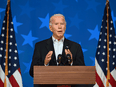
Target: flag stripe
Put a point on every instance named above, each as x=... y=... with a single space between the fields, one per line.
x=113 y=73
x=99 y=75
x=19 y=70
x=2 y=74
x=1 y=83
x=18 y=78
x=96 y=85
x=13 y=81
x=112 y=81
x=98 y=80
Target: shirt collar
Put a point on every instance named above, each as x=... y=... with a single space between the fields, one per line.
x=55 y=40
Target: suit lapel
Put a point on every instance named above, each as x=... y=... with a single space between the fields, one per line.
x=51 y=48
x=66 y=44
x=49 y=44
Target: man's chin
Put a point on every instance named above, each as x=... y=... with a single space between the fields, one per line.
x=60 y=36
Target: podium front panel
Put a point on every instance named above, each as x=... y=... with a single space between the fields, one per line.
x=64 y=74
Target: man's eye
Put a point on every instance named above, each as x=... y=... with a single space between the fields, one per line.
x=56 y=23
x=62 y=23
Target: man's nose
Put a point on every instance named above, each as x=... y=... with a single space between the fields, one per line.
x=59 y=26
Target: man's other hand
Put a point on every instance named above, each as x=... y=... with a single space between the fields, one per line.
x=67 y=51
x=48 y=57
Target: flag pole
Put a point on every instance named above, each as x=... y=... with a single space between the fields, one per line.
x=108 y=68
x=7 y=34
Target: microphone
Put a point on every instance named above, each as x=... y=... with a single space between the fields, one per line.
x=59 y=59
x=68 y=56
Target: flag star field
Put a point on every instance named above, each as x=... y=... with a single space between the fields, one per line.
x=31 y=25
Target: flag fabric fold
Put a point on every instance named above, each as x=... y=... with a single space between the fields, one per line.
x=13 y=78
x=101 y=53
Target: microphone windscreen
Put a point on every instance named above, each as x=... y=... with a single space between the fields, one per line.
x=59 y=55
x=68 y=56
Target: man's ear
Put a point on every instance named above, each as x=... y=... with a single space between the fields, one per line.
x=50 y=28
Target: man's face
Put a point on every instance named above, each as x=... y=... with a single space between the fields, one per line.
x=58 y=26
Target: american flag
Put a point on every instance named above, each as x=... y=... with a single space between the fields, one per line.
x=13 y=78
x=101 y=53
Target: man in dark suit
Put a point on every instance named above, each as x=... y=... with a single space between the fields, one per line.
x=46 y=52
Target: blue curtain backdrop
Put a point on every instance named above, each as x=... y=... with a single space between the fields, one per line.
x=31 y=24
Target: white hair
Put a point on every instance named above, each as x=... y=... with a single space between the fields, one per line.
x=55 y=15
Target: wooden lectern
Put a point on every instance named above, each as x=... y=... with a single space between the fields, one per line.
x=64 y=75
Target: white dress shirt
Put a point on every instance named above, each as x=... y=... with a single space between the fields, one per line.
x=58 y=46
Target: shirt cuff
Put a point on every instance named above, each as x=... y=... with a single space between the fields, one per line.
x=71 y=63
x=46 y=65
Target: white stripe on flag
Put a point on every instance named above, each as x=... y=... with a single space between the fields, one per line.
x=96 y=85
x=2 y=75
x=113 y=73
x=101 y=74
x=18 y=78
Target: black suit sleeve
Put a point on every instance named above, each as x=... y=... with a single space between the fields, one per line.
x=37 y=60
x=79 y=58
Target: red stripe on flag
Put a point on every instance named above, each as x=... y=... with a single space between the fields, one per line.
x=112 y=81
x=19 y=70
x=1 y=83
x=13 y=81
x=99 y=81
